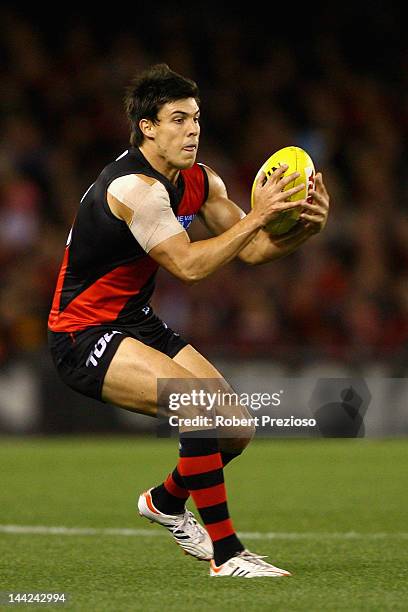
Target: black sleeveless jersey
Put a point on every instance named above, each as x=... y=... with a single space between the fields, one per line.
x=105 y=274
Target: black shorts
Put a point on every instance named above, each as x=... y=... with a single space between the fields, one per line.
x=82 y=358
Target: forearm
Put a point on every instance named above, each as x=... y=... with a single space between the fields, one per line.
x=265 y=248
x=199 y=259
x=205 y=256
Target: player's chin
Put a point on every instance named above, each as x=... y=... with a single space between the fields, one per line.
x=187 y=159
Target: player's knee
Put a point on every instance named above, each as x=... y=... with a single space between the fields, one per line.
x=245 y=433
x=235 y=446
x=237 y=431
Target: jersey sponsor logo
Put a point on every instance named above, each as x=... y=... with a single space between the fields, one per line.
x=185 y=220
x=100 y=348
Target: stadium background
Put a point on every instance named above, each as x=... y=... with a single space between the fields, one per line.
x=333 y=82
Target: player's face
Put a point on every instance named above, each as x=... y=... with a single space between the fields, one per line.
x=177 y=132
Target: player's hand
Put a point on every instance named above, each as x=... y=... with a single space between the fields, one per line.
x=269 y=197
x=315 y=214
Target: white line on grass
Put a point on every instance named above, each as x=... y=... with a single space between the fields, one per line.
x=147 y=533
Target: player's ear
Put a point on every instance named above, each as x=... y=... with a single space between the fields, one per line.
x=147 y=128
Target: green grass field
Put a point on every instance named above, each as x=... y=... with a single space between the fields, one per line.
x=333 y=512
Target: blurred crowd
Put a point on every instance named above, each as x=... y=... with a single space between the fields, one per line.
x=344 y=294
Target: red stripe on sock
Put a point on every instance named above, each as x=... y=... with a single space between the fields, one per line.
x=210 y=496
x=173 y=488
x=220 y=530
x=189 y=466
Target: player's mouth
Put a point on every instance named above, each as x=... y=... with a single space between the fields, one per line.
x=190 y=148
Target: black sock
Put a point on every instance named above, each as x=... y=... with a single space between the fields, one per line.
x=170 y=497
x=227 y=457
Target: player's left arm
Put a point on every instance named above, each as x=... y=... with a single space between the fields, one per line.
x=219 y=213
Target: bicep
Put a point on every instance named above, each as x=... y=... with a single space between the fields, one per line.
x=219 y=213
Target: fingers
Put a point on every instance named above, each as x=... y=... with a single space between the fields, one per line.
x=277 y=174
x=317 y=221
x=287 y=193
x=319 y=199
x=274 y=177
x=276 y=198
x=261 y=179
x=313 y=214
x=320 y=186
x=290 y=192
x=289 y=179
x=278 y=206
x=277 y=178
x=317 y=208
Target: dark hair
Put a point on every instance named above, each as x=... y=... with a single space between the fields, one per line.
x=149 y=91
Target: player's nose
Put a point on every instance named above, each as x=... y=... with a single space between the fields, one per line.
x=193 y=128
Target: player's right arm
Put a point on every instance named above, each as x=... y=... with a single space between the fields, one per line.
x=144 y=205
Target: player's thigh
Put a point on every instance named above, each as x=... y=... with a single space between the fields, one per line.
x=190 y=359
x=196 y=363
x=131 y=380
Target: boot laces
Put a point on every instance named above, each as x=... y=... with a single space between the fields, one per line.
x=189 y=526
x=247 y=555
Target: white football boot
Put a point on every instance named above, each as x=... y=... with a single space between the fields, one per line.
x=247 y=565
x=188 y=534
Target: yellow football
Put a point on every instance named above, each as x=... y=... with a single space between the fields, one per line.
x=298 y=161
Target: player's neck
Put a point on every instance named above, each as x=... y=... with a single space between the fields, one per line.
x=160 y=164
